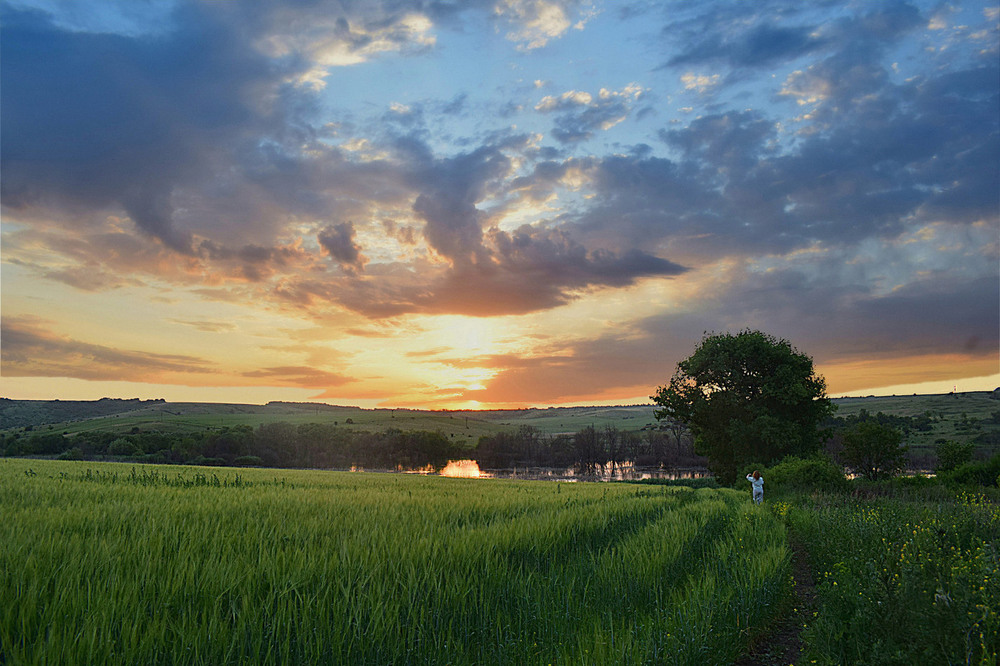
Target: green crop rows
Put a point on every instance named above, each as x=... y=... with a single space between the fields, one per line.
x=103 y=563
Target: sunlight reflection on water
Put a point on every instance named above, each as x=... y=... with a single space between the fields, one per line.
x=469 y=469
x=464 y=469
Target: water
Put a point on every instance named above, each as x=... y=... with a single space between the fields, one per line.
x=625 y=472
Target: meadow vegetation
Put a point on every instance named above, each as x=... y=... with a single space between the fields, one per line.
x=104 y=563
x=902 y=579
x=143 y=563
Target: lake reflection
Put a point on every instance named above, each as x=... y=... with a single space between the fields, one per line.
x=464 y=469
x=469 y=469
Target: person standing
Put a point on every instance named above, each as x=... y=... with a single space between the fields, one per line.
x=758 y=486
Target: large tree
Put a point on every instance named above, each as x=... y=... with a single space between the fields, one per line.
x=748 y=398
x=874 y=450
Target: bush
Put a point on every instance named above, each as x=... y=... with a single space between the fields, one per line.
x=122 y=447
x=249 y=461
x=72 y=454
x=207 y=462
x=158 y=458
x=952 y=454
x=795 y=474
x=976 y=473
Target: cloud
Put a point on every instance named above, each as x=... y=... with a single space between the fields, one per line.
x=208 y=326
x=299 y=376
x=875 y=159
x=839 y=326
x=209 y=154
x=536 y=22
x=768 y=34
x=523 y=271
x=761 y=46
x=121 y=122
x=31 y=349
x=579 y=114
x=338 y=241
x=700 y=83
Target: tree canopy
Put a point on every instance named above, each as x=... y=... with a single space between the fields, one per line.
x=748 y=398
x=873 y=450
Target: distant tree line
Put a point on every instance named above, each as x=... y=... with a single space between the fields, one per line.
x=315 y=445
x=29 y=413
x=590 y=450
x=269 y=445
x=905 y=424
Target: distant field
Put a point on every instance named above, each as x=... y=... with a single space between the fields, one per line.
x=572 y=419
x=960 y=417
x=186 y=417
x=953 y=414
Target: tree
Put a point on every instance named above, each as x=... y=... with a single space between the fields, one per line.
x=873 y=450
x=952 y=454
x=747 y=398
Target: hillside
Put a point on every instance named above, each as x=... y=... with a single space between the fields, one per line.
x=961 y=416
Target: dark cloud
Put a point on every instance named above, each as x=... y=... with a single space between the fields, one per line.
x=119 y=121
x=517 y=272
x=880 y=158
x=832 y=324
x=449 y=189
x=532 y=270
x=338 y=241
x=767 y=34
x=762 y=46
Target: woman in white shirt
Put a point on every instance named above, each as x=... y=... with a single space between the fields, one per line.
x=758 y=486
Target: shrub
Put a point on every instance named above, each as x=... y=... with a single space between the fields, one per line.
x=805 y=475
x=249 y=461
x=952 y=454
x=122 y=447
x=208 y=462
x=72 y=454
x=985 y=473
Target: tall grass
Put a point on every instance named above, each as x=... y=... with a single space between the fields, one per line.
x=903 y=581
x=165 y=567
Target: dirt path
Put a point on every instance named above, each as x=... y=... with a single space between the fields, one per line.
x=783 y=646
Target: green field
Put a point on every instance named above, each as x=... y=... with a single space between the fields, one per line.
x=186 y=417
x=947 y=410
x=105 y=563
x=182 y=417
x=955 y=416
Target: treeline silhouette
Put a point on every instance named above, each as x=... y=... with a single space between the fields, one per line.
x=589 y=450
x=316 y=445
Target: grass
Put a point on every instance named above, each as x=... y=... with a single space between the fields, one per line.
x=181 y=418
x=948 y=411
x=103 y=563
x=902 y=580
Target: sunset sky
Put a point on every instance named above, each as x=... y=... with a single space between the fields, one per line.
x=493 y=203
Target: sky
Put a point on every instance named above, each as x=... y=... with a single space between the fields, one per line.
x=493 y=203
